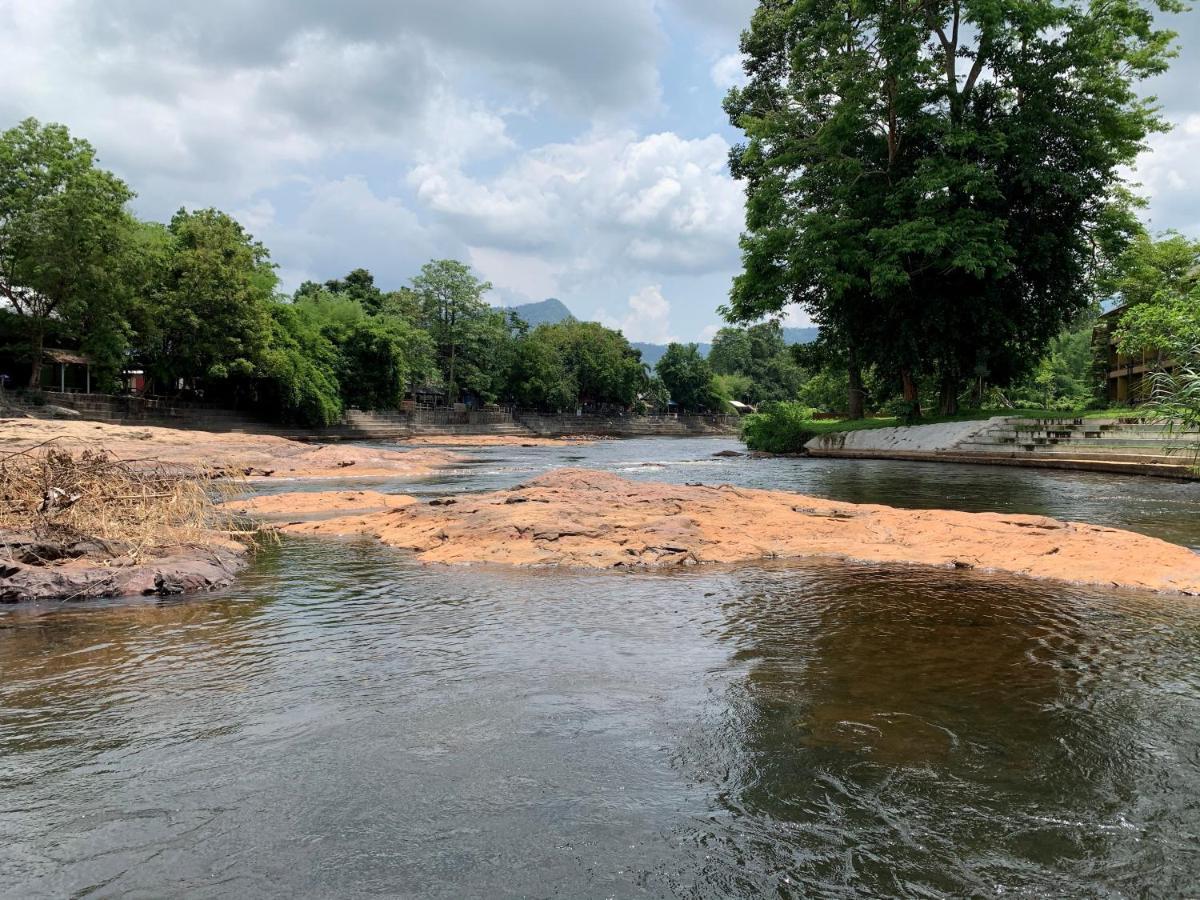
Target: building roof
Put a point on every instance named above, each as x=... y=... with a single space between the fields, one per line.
x=70 y=357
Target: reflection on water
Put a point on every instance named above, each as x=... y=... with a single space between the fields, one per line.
x=345 y=723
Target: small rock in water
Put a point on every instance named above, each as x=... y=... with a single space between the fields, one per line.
x=729 y=453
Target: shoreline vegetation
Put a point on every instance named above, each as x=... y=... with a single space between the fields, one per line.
x=91 y=510
x=77 y=526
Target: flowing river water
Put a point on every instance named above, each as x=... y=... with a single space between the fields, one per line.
x=346 y=723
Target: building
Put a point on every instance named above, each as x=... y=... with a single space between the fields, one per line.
x=1126 y=376
x=67 y=371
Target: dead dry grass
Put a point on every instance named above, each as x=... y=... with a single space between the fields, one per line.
x=134 y=510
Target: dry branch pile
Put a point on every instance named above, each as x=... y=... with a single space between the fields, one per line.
x=134 y=510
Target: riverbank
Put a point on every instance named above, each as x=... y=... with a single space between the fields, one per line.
x=97 y=510
x=587 y=519
x=1114 y=445
x=248 y=455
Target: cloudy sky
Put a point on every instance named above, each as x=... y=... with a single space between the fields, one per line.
x=567 y=148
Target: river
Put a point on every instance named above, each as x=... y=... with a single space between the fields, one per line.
x=345 y=723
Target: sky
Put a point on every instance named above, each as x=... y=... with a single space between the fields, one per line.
x=566 y=148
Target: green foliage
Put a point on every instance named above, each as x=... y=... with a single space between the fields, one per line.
x=778 y=427
x=294 y=380
x=604 y=368
x=62 y=224
x=1064 y=378
x=1160 y=280
x=826 y=390
x=1175 y=399
x=735 y=387
x=211 y=317
x=689 y=379
x=930 y=180
x=538 y=377
x=449 y=301
x=760 y=354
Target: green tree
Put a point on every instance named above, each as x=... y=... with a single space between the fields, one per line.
x=450 y=300
x=213 y=315
x=358 y=285
x=927 y=179
x=294 y=378
x=538 y=377
x=604 y=368
x=1160 y=283
x=62 y=227
x=689 y=379
x=760 y=354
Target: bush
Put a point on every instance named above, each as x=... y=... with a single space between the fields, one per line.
x=778 y=427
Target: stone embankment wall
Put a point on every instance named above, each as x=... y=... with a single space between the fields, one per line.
x=394 y=425
x=629 y=426
x=1125 y=446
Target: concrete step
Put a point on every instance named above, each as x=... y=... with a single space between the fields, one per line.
x=1126 y=455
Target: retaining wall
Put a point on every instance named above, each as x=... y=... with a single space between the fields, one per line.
x=629 y=426
x=386 y=425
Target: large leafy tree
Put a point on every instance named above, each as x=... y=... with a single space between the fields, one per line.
x=926 y=178
x=689 y=379
x=1160 y=283
x=538 y=377
x=63 y=226
x=212 y=312
x=450 y=302
x=761 y=356
x=604 y=367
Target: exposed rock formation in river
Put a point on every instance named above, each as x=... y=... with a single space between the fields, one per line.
x=582 y=518
x=252 y=456
x=35 y=569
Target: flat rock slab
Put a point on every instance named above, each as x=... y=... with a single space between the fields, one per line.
x=307 y=503
x=253 y=456
x=582 y=518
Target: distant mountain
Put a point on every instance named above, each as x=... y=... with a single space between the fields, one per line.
x=547 y=312
x=552 y=310
x=799 y=335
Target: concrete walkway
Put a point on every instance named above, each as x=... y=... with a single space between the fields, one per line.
x=1125 y=446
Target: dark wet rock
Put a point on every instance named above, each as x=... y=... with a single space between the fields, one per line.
x=729 y=453
x=180 y=571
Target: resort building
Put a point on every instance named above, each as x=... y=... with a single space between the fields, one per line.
x=1126 y=375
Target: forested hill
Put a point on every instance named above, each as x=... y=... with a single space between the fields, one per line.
x=548 y=312
x=553 y=310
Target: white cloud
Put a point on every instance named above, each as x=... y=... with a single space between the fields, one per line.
x=727 y=71
x=660 y=203
x=527 y=277
x=342 y=224
x=1169 y=177
x=647 y=317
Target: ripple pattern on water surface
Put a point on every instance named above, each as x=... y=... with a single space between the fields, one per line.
x=348 y=724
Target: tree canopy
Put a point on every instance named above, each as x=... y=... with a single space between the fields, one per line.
x=62 y=224
x=928 y=179
x=688 y=378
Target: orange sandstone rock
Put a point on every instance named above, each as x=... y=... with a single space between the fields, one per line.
x=253 y=456
x=301 y=503
x=581 y=518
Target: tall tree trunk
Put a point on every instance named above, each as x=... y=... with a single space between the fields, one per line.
x=855 y=407
x=35 y=369
x=911 y=395
x=948 y=398
x=451 y=391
